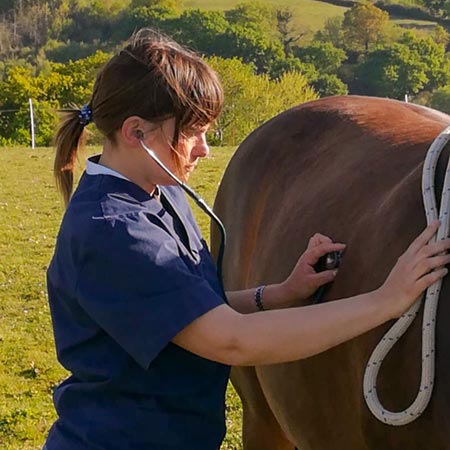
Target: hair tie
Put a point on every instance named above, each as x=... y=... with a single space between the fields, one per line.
x=85 y=116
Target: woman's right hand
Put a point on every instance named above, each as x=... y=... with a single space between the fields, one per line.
x=419 y=267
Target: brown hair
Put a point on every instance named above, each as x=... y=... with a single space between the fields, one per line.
x=153 y=77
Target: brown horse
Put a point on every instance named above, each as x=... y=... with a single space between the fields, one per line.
x=348 y=167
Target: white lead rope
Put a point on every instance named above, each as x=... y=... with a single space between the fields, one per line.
x=430 y=307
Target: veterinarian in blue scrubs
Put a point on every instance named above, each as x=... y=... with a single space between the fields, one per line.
x=139 y=315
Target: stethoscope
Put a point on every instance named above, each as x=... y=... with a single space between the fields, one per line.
x=200 y=203
x=327 y=262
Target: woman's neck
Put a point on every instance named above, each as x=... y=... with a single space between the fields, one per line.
x=123 y=162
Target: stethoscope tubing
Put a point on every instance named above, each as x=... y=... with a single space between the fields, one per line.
x=200 y=203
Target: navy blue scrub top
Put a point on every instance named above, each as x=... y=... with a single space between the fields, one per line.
x=129 y=272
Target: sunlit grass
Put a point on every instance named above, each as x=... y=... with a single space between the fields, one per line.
x=425 y=25
x=30 y=213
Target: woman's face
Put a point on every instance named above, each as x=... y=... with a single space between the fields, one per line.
x=182 y=161
x=192 y=146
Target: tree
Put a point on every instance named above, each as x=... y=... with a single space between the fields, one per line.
x=62 y=86
x=325 y=57
x=329 y=84
x=61 y=19
x=253 y=36
x=241 y=32
x=332 y=32
x=326 y=61
x=251 y=99
x=438 y=7
x=252 y=46
x=293 y=64
x=144 y=16
x=91 y=22
x=35 y=25
x=289 y=35
x=365 y=26
x=440 y=99
x=76 y=86
x=7 y=41
x=434 y=57
x=20 y=85
x=440 y=35
x=21 y=5
x=203 y=30
x=7 y=5
x=255 y=14
x=290 y=90
x=409 y=66
x=393 y=71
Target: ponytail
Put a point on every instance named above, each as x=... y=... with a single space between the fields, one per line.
x=69 y=138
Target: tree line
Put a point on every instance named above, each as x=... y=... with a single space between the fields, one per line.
x=51 y=50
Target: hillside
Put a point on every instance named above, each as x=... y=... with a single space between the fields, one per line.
x=310 y=15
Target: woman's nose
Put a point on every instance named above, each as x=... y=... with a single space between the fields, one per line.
x=201 y=148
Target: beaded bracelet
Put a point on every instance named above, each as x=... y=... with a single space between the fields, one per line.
x=258 y=297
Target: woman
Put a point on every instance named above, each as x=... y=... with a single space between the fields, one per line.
x=139 y=316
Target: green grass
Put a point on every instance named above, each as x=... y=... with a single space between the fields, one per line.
x=405 y=2
x=424 y=25
x=30 y=213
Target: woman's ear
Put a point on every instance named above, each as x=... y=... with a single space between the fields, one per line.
x=131 y=130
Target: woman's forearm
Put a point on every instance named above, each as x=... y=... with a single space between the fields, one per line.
x=277 y=336
x=286 y=335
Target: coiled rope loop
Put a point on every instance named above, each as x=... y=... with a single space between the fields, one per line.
x=430 y=307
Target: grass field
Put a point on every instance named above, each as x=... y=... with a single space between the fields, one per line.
x=30 y=213
x=425 y=25
x=309 y=15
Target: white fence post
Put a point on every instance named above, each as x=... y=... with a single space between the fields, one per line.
x=32 y=123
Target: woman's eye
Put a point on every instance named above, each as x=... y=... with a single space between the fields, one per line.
x=189 y=134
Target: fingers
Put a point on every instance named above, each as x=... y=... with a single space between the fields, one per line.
x=435 y=248
x=321 y=238
x=429 y=264
x=424 y=237
x=315 y=253
x=318 y=239
x=426 y=281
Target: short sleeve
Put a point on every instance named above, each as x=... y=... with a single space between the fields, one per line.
x=136 y=287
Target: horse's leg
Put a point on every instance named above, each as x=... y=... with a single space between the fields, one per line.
x=260 y=429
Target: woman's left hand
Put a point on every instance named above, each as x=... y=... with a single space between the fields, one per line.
x=304 y=280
